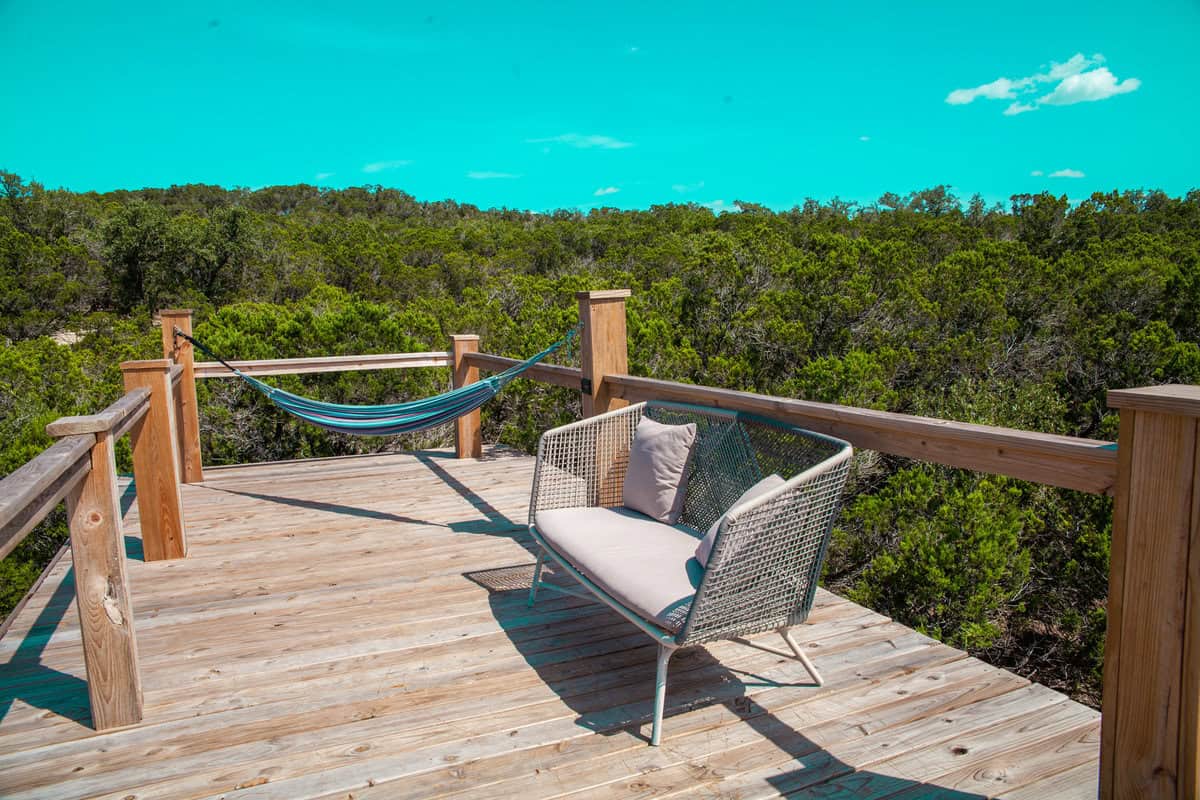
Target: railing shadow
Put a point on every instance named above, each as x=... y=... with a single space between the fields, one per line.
x=603 y=669
x=495 y=523
x=23 y=677
x=133 y=544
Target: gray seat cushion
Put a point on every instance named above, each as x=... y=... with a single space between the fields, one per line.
x=646 y=566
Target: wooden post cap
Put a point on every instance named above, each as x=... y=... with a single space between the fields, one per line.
x=1177 y=399
x=604 y=294
x=176 y=312
x=464 y=337
x=151 y=365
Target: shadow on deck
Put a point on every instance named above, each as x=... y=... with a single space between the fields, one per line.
x=359 y=626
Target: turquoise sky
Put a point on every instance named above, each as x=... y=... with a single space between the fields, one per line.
x=554 y=105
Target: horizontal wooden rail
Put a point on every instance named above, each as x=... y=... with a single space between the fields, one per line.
x=1088 y=465
x=118 y=418
x=34 y=489
x=80 y=470
x=30 y=492
x=306 y=366
x=545 y=373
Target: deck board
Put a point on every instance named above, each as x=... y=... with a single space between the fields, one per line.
x=357 y=626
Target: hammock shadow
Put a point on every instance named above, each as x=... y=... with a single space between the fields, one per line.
x=23 y=677
x=602 y=668
x=494 y=522
x=330 y=508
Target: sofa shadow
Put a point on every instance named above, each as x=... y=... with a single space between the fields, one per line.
x=603 y=668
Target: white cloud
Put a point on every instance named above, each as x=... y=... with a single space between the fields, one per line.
x=864 y=138
x=684 y=188
x=1018 y=108
x=1079 y=79
x=999 y=89
x=320 y=176
x=583 y=142
x=1067 y=173
x=380 y=166
x=605 y=190
x=1072 y=66
x=1037 y=173
x=634 y=49
x=1086 y=87
x=717 y=206
x=488 y=175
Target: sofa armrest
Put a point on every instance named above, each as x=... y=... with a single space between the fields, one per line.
x=583 y=464
x=768 y=555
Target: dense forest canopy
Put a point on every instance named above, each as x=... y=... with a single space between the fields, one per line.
x=1020 y=316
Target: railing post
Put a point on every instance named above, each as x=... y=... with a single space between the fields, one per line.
x=179 y=350
x=468 y=440
x=1151 y=708
x=155 y=465
x=110 y=655
x=603 y=347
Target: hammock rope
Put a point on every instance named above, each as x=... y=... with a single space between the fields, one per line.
x=388 y=420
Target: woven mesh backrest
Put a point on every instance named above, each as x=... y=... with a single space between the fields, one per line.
x=723 y=462
x=764 y=569
x=584 y=464
x=732 y=453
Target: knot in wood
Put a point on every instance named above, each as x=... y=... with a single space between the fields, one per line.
x=112 y=608
x=994 y=774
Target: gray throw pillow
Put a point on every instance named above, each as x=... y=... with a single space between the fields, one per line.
x=656 y=478
x=704 y=549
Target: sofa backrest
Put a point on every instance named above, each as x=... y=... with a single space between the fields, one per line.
x=734 y=451
x=765 y=576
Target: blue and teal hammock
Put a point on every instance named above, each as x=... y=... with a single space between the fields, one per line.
x=388 y=420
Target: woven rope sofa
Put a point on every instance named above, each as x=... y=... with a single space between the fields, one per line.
x=756 y=571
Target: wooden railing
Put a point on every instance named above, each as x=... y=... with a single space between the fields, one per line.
x=80 y=468
x=305 y=366
x=1088 y=465
x=1151 y=702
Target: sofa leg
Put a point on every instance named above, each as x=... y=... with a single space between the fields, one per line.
x=537 y=576
x=801 y=656
x=660 y=692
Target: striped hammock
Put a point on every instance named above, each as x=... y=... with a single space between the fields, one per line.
x=388 y=420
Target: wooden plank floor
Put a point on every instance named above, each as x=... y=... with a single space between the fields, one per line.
x=357 y=628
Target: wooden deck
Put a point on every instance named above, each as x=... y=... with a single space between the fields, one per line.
x=357 y=628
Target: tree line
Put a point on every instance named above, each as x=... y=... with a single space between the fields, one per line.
x=1022 y=316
